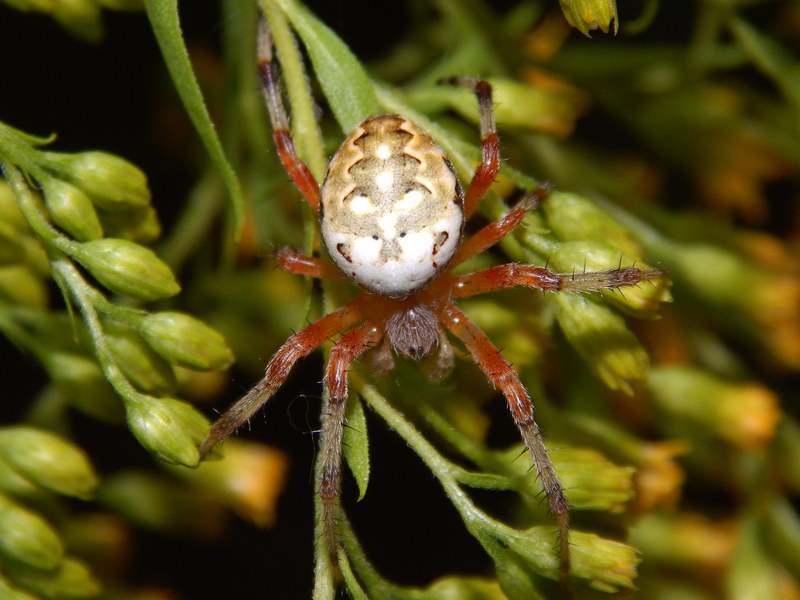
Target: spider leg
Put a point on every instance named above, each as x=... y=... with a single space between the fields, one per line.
x=495 y=231
x=504 y=378
x=271 y=88
x=351 y=345
x=490 y=144
x=515 y=274
x=296 y=262
x=299 y=345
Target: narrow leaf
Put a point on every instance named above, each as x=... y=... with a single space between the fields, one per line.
x=163 y=15
x=334 y=64
x=356 y=444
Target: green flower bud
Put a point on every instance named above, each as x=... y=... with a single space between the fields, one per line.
x=138 y=224
x=459 y=586
x=72 y=580
x=26 y=538
x=184 y=340
x=250 y=479
x=14 y=484
x=572 y=217
x=606 y=565
x=585 y=15
x=168 y=428
x=10 y=214
x=162 y=504
x=83 y=384
x=81 y=18
x=594 y=482
x=11 y=251
x=685 y=541
x=146 y=369
x=128 y=269
x=122 y=4
x=578 y=257
x=745 y=415
x=20 y=286
x=8 y=592
x=48 y=461
x=603 y=340
x=71 y=209
x=111 y=182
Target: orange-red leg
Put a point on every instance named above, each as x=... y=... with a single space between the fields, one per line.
x=299 y=345
x=505 y=379
x=270 y=85
x=495 y=231
x=490 y=144
x=349 y=347
x=515 y=274
x=296 y=262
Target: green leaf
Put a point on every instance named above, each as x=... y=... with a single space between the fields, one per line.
x=334 y=64
x=356 y=444
x=163 y=15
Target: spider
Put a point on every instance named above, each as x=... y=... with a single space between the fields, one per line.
x=392 y=213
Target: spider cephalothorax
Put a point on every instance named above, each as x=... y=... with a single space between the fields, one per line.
x=392 y=212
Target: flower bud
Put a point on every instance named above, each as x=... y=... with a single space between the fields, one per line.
x=19 y=286
x=684 y=541
x=250 y=479
x=11 y=251
x=7 y=592
x=185 y=341
x=128 y=269
x=122 y=4
x=80 y=17
x=111 y=182
x=71 y=209
x=606 y=565
x=139 y=224
x=572 y=217
x=10 y=214
x=603 y=340
x=168 y=428
x=83 y=384
x=71 y=580
x=594 y=482
x=745 y=415
x=162 y=504
x=641 y=299
x=585 y=15
x=26 y=538
x=48 y=461
x=146 y=369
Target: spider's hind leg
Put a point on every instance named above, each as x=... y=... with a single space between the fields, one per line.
x=507 y=381
x=349 y=347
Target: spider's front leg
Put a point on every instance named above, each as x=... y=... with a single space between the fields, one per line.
x=505 y=379
x=270 y=85
x=299 y=345
x=490 y=143
x=521 y=275
x=349 y=347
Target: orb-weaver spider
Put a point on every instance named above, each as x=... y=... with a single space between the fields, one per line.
x=392 y=212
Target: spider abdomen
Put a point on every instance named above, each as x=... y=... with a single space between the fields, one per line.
x=392 y=207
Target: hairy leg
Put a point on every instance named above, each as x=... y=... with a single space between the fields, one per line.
x=515 y=274
x=270 y=85
x=296 y=262
x=505 y=379
x=299 y=345
x=351 y=345
x=497 y=230
x=490 y=144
